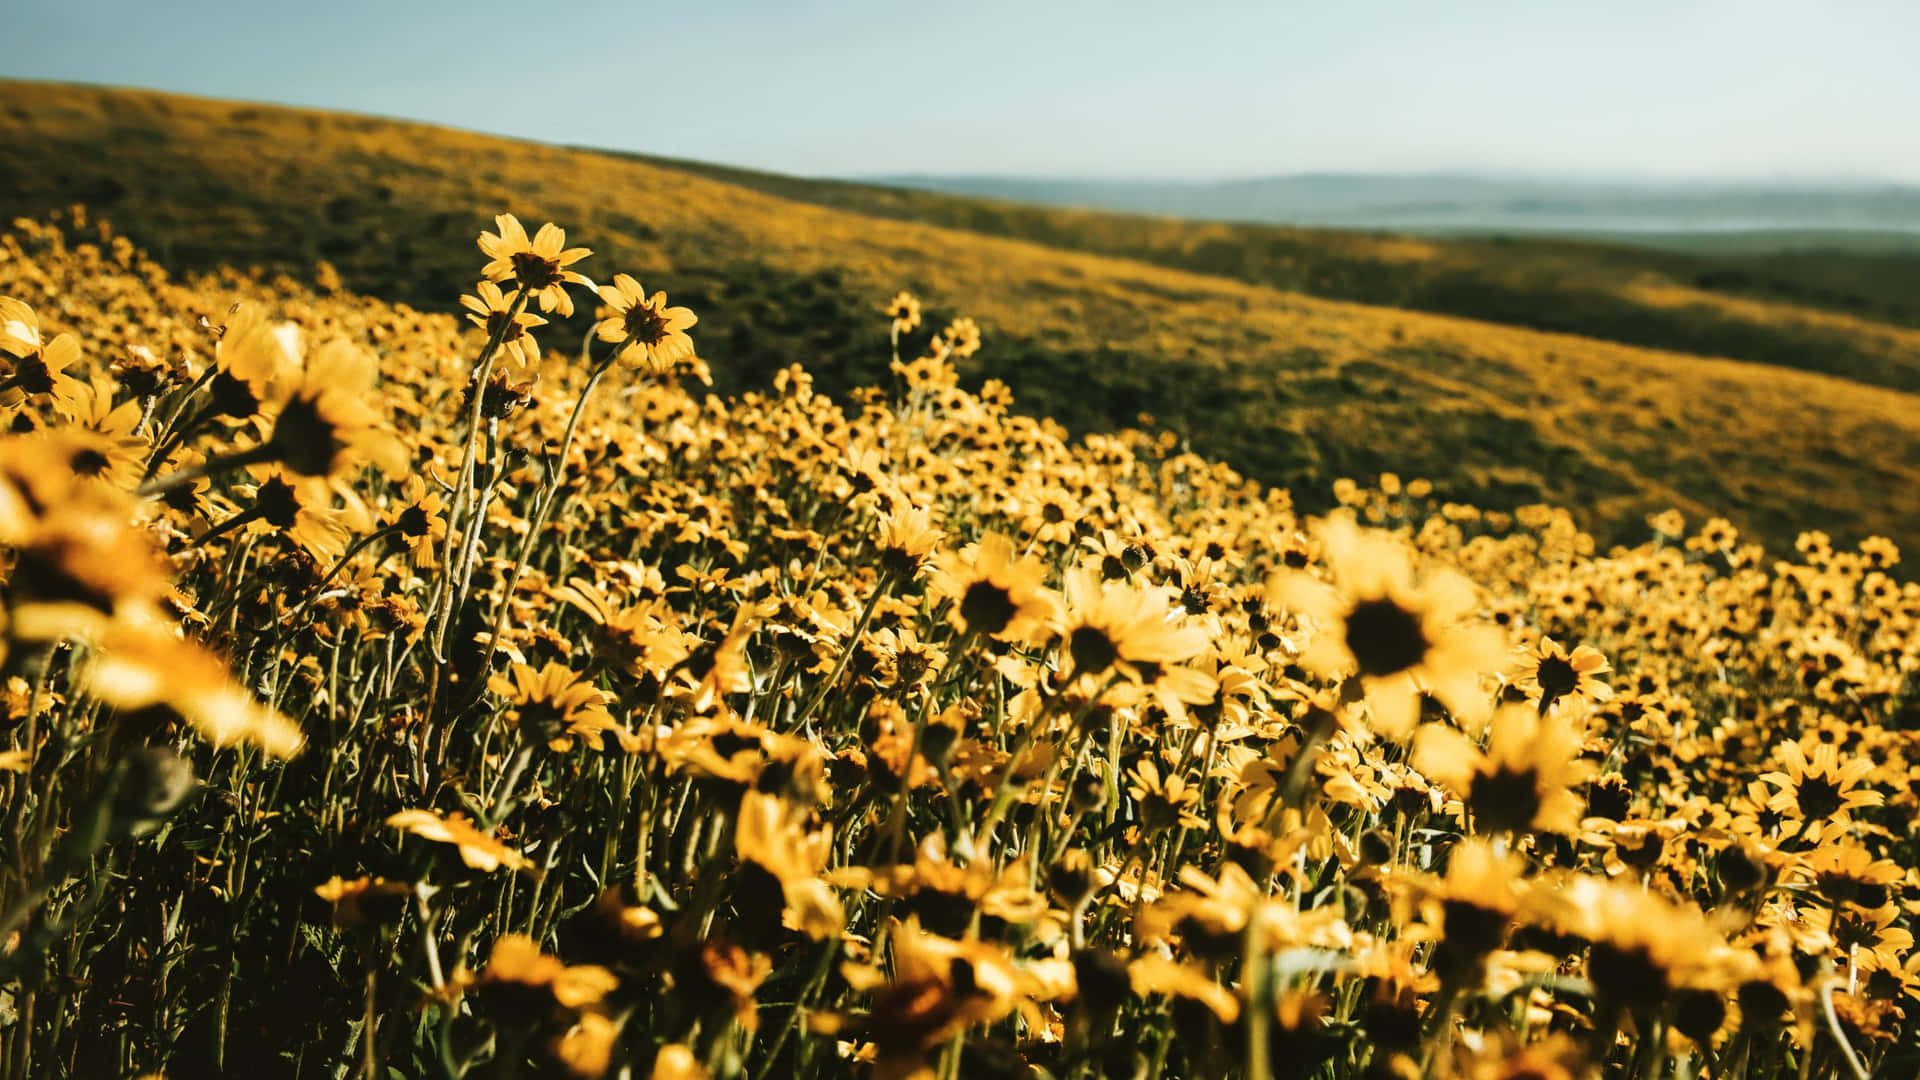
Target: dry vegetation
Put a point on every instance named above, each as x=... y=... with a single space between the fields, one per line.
x=1293 y=391
x=386 y=696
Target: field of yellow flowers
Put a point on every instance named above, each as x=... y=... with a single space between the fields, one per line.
x=392 y=697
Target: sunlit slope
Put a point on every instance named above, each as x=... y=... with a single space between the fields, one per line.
x=1844 y=303
x=1291 y=389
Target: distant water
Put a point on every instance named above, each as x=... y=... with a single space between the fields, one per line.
x=1477 y=204
x=1603 y=223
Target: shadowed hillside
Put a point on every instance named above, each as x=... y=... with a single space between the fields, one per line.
x=1291 y=389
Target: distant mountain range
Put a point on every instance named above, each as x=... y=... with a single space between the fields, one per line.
x=1469 y=202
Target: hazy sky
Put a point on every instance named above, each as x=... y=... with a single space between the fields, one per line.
x=1669 y=88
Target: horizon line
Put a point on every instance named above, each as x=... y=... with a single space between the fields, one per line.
x=1576 y=178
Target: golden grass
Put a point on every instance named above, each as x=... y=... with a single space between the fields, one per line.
x=1290 y=389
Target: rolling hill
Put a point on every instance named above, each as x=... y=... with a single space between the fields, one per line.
x=1092 y=319
x=1832 y=301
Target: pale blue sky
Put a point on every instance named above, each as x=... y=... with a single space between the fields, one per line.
x=1678 y=88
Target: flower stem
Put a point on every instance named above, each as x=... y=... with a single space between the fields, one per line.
x=239 y=459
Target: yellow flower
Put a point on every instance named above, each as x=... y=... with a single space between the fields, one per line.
x=586 y=1048
x=1156 y=974
x=1524 y=780
x=38 y=367
x=538 y=266
x=1472 y=907
x=713 y=669
x=488 y=309
x=419 y=516
x=940 y=988
x=1111 y=624
x=908 y=539
x=1843 y=874
x=79 y=566
x=1548 y=674
x=364 y=901
x=1820 y=791
x=327 y=421
x=477 y=849
x=948 y=895
x=1398 y=635
x=675 y=1061
x=1643 y=947
x=655 y=334
x=553 y=705
x=995 y=593
x=772 y=835
x=1165 y=802
x=1866 y=935
x=1555 y=1057
x=249 y=361
x=517 y=961
x=138 y=667
x=106 y=443
x=960 y=339
x=299 y=508
x=904 y=310
x=642 y=640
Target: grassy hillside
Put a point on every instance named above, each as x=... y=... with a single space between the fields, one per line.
x=1824 y=294
x=1291 y=389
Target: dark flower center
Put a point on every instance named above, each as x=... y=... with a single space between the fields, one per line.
x=306 y=440
x=1627 y=976
x=1851 y=932
x=1471 y=928
x=233 y=397
x=1739 y=870
x=729 y=743
x=542 y=719
x=1504 y=801
x=1819 y=797
x=33 y=375
x=1698 y=1013
x=900 y=563
x=1092 y=649
x=44 y=574
x=1557 y=678
x=1609 y=798
x=535 y=271
x=1839 y=888
x=499 y=325
x=184 y=499
x=1643 y=854
x=413 y=521
x=645 y=325
x=987 y=608
x=90 y=462
x=942 y=912
x=1761 y=1002
x=277 y=504
x=1385 y=638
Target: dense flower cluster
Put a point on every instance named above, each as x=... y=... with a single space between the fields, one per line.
x=551 y=715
